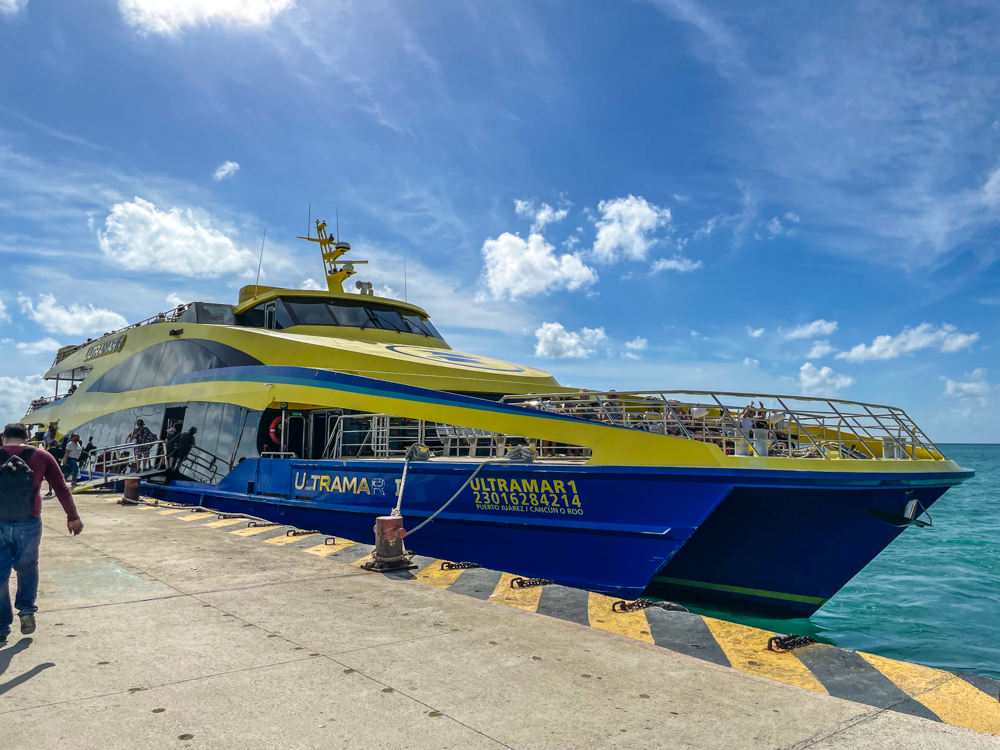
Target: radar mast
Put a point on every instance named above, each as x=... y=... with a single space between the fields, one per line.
x=332 y=249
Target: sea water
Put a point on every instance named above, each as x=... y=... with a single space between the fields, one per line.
x=933 y=595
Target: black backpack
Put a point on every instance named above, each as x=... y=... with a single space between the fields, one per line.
x=17 y=486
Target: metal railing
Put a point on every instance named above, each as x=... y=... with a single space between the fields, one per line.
x=170 y=316
x=389 y=436
x=41 y=401
x=143 y=459
x=784 y=426
x=125 y=459
x=200 y=465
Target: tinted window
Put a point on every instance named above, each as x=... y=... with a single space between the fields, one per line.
x=308 y=312
x=390 y=320
x=253 y=318
x=161 y=362
x=220 y=315
x=247 y=447
x=210 y=434
x=304 y=311
x=417 y=324
x=146 y=373
x=127 y=372
x=350 y=315
x=229 y=431
x=180 y=357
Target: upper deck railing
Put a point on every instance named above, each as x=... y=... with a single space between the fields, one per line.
x=771 y=425
x=170 y=316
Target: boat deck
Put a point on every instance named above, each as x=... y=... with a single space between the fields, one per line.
x=162 y=627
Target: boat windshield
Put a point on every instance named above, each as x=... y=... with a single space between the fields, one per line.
x=304 y=311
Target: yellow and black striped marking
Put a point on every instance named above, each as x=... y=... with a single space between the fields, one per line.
x=963 y=700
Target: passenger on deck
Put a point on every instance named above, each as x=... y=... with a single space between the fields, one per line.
x=143 y=437
x=185 y=442
x=171 y=445
x=612 y=411
x=88 y=451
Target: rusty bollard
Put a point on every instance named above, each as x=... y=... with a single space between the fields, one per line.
x=389 y=553
x=131 y=494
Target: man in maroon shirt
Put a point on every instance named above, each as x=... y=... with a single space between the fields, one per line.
x=21 y=524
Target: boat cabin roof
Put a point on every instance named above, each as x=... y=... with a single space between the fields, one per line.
x=251 y=296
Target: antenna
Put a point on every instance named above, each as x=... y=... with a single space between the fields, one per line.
x=406 y=297
x=309 y=222
x=259 y=261
x=338 y=225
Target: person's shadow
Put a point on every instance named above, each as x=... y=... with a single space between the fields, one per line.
x=7 y=655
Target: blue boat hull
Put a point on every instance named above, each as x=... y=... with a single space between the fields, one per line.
x=784 y=551
x=782 y=542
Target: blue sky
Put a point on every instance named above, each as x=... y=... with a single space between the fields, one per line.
x=780 y=197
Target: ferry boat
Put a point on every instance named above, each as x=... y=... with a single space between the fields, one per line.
x=305 y=404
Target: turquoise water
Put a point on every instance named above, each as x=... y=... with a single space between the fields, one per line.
x=933 y=596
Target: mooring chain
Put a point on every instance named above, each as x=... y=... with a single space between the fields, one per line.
x=459 y=566
x=781 y=643
x=623 y=606
x=299 y=532
x=523 y=583
x=262 y=524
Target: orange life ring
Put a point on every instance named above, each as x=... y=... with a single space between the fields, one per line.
x=274 y=431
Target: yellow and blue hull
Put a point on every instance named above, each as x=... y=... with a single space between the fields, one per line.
x=645 y=514
x=773 y=544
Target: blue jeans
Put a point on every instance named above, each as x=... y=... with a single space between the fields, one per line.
x=72 y=467
x=19 y=551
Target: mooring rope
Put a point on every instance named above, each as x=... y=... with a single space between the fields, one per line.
x=523 y=455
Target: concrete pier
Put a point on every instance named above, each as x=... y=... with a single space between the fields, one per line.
x=163 y=628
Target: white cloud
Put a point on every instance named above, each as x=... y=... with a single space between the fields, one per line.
x=991 y=190
x=542 y=216
x=17 y=393
x=751 y=362
x=754 y=333
x=76 y=320
x=774 y=226
x=171 y=16
x=175 y=299
x=819 y=349
x=625 y=228
x=636 y=345
x=555 y=341
x=312 y=285
x=38 y=347
x=975 y=388
x=811 y=330
x=10 y=7
x=792 y=217
x=678 y=263
x=387 y=291
x=518 y=268
x=946 y=339
x=226 y=169
x=706 y=230
x=140 y=237
x=4 y=315
x=821 y=382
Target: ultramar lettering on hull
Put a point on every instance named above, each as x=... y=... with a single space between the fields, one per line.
x=342 y=483
x=523 y=495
